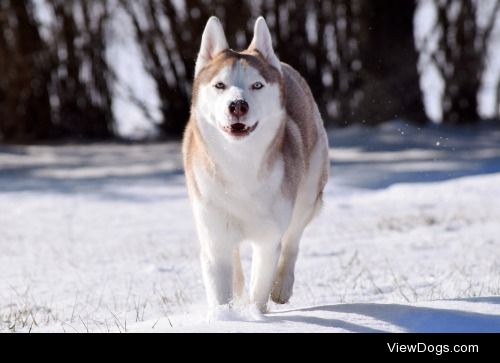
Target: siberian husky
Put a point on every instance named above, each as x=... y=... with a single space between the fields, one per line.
x=256 y=161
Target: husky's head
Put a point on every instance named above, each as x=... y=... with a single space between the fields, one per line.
x=238 y=94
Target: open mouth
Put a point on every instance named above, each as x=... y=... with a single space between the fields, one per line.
x=239 y=129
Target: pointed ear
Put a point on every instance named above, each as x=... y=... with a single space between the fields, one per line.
x=263 y=43
x=212 y=43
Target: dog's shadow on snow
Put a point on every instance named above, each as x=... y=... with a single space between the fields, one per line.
x=402 y=317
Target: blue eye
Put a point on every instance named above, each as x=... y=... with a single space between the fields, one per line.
x=257 y=86
x=220 y=85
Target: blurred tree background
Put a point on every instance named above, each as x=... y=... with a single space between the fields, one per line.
x=361 y=58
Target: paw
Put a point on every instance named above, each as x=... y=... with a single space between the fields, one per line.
x=259 y=308
x=283 y=289
x=254 y=313
x=222 y=313
x=225 y=313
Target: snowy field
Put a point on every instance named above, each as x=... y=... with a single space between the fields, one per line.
x=100 y=238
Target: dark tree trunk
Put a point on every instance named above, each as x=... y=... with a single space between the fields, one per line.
x=461 y=57
x=85 y=105
x=347 y=81
x=24 y=98
x=462 y=67
x=391 y=82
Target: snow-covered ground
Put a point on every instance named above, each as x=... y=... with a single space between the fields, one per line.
x=100 y=238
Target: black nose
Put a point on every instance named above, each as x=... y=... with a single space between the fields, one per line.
x=239 y=108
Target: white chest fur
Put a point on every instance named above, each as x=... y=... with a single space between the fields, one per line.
x=246 y=190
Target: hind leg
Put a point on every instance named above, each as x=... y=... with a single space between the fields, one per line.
x=285 y=277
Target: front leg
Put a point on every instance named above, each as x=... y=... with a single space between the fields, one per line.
x=219 y=234
x=217 y=268
x=264 y=265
